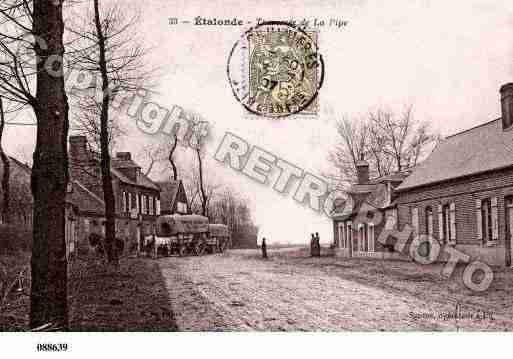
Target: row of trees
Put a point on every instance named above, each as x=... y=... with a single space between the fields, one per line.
x=390 y=141
x=218 y=201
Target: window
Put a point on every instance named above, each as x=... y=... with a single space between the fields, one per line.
x=349 y=236
x=365 y=237
x=124 y=201
x=157 y=207
x=143 y=204
x=341 y=235
x=181 y=207
x=129 y=202
x=415 y=219
x=138 y=202
x=371 y=237
x=360 y=238
x=151 y=204
x=429 y=221
x=391 y=219
x=486 y=220
x=446 y=223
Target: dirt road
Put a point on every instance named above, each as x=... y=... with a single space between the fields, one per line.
x=239 y=291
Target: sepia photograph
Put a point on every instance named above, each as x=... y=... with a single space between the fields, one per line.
x=197 y=177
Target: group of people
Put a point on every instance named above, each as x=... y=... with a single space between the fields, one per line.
x=315 y=245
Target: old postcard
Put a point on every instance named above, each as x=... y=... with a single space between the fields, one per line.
x=257 y=166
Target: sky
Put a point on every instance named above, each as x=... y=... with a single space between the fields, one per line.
x=447 y=59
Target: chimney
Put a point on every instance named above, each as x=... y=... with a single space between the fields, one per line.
x=507 y=105
x=124 y=156
x=362 y=170
x=78 y=148
x=131 y=170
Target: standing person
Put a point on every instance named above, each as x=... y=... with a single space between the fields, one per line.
x=312 y=245
x=318 y=244
x=264 y=249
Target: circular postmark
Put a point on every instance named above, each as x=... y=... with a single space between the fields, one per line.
x=276 y=70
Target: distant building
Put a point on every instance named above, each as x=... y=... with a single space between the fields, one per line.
x=173 y=198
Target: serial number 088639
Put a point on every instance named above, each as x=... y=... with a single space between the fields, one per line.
x=49 y=347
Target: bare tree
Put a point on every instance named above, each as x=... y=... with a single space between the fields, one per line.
x=389 y=142
x=170 y=157
x=6 y=173
x=352 y=144
x=105 y=46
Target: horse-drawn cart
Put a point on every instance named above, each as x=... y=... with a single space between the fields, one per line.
x=219 y=237
x=179 y=234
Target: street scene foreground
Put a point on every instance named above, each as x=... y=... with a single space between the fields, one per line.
x=294 y=292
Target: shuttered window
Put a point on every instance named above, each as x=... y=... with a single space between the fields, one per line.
x=415 y=220
x=487 y=217
x=495 y=219
x=371 y=237
x=440 y=224
x=123 y=199
x=349 y=235
x=360 y=237
x=429 y=221
x=452 y=216
x=479 y=220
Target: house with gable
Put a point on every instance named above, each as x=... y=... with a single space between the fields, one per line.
x=368 y=209
x=173 y=198
x=137 y=197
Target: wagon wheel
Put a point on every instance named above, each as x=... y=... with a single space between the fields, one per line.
x=199 y=248
x=181 y=250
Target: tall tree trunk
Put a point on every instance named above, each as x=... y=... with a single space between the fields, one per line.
x=48 y=297
x=202 y=189
x=171 y=159
x=108 y=190
x=6 y=174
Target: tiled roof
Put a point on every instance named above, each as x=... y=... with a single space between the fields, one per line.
x=119 y=163
x=115 y=164
x=483 y=148
x=168 y=192
x=85 y=200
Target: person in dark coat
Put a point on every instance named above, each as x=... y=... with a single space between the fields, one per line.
x=318 y=244
x=312 y=245
x=264 y=249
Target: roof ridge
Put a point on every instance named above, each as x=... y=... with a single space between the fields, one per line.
x=472 y=128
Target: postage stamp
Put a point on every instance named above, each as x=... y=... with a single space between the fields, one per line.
x=275 y=70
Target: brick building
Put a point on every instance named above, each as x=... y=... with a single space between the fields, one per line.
x=462 y=195
x=137 y=197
